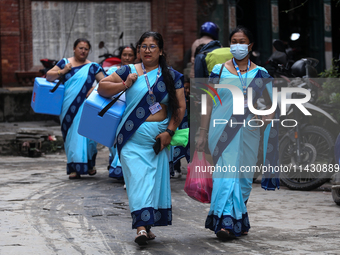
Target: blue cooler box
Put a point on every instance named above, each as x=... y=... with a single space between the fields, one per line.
x=97 y=128
x=43 y=100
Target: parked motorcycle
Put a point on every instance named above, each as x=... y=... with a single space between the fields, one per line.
x=305 y=149
x=336 y=187
x=282 y=65
x=110 y=59
x=47 y=64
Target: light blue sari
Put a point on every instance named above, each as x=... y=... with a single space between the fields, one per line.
x=231 y=188
x=146 y=174
x=80 y=151
x=115 y=167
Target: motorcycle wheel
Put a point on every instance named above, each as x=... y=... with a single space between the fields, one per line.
x=336 y=194
x=317 y=150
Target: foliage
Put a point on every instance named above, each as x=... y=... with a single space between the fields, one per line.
x=331 y=88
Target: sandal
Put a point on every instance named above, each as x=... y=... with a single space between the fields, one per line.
x=92 y=171
x=224 y=234
x=141 y=238
x=74 y=175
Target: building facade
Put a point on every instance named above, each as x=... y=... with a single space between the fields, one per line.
x=31 y=30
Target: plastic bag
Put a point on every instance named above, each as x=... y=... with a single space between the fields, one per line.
x=198 y=184
x=180 y=138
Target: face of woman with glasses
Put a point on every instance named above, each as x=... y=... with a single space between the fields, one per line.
x=150 y=52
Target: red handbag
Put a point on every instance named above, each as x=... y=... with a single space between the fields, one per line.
x=198 y=184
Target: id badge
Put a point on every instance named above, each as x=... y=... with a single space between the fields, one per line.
x=245 y=103
x=155 y=108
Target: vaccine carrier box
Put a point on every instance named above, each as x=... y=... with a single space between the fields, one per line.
x=101 y=129
x=43 y=100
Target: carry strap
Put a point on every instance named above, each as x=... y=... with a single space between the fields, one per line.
x=61 y=80
x=219 y=76
x=108 y=106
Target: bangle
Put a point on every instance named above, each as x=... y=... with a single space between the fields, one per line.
x=203 y=129
x=125 y=84
x=59 y=72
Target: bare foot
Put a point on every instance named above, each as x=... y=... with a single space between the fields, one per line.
x=74 y=175
x=151 y=235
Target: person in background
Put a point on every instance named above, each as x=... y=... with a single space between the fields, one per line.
x=233 y=145
x=128 y=56
x=79 y=75
x=138 y=60
x=155 y=106
x=217 y=56
x=179 y=151
x=209 y=32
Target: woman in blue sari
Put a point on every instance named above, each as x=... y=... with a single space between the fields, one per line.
x=127 y=55
x=155 y=106
x=235 y=146
x=79 y=75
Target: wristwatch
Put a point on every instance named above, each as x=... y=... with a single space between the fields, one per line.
x=171 y=133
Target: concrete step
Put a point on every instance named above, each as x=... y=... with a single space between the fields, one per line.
x=30 y=138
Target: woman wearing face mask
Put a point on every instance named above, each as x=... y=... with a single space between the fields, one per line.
x=234 y=147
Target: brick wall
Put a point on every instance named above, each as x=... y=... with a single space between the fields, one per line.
x=10 y=40
x=174 y=19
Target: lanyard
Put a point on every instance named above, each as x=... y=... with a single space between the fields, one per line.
x=244 y=83
x=147 y=79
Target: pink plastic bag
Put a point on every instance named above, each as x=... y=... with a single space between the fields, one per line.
x=198 y=184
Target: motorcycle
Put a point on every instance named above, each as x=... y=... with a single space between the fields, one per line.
x=47 y=64
x=282 y=65
x=305 y=151
x=336 y=187
x=110 y=59
x=306 y=145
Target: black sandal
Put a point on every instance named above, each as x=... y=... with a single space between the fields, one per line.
x=141 y=238
x=224 y=234
x=94 y=171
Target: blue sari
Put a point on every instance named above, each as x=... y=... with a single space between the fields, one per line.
x=115 y=167
x=146 y=174
x=237 y=147
x=80 y=151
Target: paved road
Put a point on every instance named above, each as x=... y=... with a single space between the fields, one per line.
x=42 y=212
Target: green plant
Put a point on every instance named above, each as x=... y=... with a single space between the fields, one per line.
x=331 y=88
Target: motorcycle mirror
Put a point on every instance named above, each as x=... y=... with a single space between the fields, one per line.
x=121 y=35
x=101 y=45
x=294 y=36
x=279 y=46
x=255 y=53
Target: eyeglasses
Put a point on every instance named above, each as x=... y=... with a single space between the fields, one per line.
x=151 y=47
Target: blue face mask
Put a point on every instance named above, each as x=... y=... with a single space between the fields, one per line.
x=239 y=51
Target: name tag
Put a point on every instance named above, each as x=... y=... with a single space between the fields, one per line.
x=155 y=108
